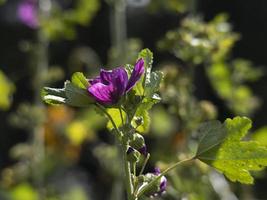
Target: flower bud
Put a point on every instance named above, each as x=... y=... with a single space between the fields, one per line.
x=138 y=121
x=159 y=187
x=138 y=142
x=132 y=155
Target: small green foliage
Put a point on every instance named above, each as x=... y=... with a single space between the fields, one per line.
x=228 y=80
x=177 y=6
x=62 y=24
x=142 y=112
x=79 y=80
x=153 y=83
x=70 y=95
x=197 y=42
x=147 y=56
x=146 y=88
x=222 y=147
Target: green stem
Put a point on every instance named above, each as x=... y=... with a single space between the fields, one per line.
x=127 y=167
x=144 y=164
x=119 y=29
x=122 y=121
x=128 y=178
x=149 y=185
x=109 y=117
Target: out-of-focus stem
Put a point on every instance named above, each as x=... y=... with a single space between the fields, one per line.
x=39 y=81
x=194 y=6
x=118 y=29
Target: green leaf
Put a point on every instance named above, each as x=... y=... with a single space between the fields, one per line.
x=115 y=114
x=213 y=134
x=142 y=112
x=53 y=96
x=147 y=56
x=144 y=128
x=153 y=84
x=260 y=135
x=77 y=96
x=79 y=80
x=222 y=147
x=70 y=95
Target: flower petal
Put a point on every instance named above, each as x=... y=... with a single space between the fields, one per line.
x=119 y=81
x=136 y=74
x=95 y=80
x=106 y=76
x=102 y=93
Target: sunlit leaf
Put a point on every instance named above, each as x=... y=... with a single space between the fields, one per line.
x=260 y=135
x=222 y=147
x=152 y=85
x=116 y=116
x=79 y=80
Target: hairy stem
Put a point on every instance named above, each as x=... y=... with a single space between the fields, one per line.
x=110 y=118
x=128 y=178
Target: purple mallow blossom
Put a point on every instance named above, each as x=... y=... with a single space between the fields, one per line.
x=27 y=13
x=163 y=182
x=112 y=84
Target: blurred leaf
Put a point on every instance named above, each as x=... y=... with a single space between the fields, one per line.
x=178 y=6
x=221 y=148
x=61 y=23
x=230 y=86
x=27 y=116
x=7 y=89
x=76 y=132
x=162 y=123
x=24 y=191
x=133 y=47
x=76 y=192
x=260 y=135
x=2 y=2
x=198 y=42
x=79 y=80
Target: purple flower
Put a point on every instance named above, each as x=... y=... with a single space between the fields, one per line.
x=163 y=182
x=112 y=84
x=27 y=13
